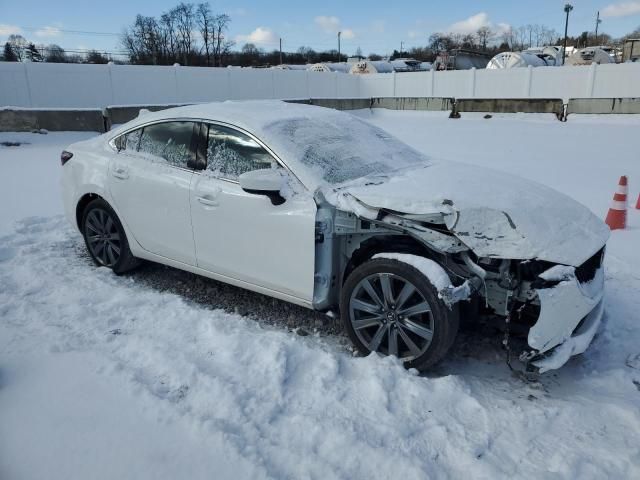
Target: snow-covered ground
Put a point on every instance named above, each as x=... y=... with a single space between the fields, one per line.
x=113 y=377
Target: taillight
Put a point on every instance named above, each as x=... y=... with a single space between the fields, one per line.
x=65 y=157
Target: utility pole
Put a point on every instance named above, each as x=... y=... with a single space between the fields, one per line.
x=280 y=51
x=401 y=45
x=339 y=57
x=567 y=8
x=598 y=22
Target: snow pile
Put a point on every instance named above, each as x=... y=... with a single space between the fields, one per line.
x=106 y=377
x=430 y=269
x=436 y=275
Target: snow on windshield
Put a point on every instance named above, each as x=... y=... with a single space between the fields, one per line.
x=339 y=147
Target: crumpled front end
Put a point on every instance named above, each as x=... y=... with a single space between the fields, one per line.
x=571 y=308
x=535 y=271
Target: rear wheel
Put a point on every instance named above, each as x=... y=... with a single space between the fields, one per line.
x=105 y=237
x=390 y=307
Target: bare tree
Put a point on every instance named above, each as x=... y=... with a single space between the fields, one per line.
x=168 y=40
x=93 y=56
x=205 y=24
x=548 y=36
x=221 y=46
x=508 y=37
x=537 y=33
x=530 y=28
x=185 y=19
x=522 y=37
x=141 y=41
x=468 y=41
x=18 y=45
x=55 y=54
x=485 y=35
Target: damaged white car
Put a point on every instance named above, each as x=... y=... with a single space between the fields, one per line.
x=322 y=209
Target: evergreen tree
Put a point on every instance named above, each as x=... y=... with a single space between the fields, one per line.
x=9 y=55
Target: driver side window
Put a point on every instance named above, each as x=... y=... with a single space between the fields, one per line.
x=231 y=153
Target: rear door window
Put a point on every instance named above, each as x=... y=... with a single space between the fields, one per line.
x=128 y=141
x=171 y=142
x=132 y=140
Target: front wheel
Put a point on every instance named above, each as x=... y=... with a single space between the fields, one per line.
x=105 y=237
x=390 y=307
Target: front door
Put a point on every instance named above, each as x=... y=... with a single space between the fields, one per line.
x=243 y=235
x=150 y=183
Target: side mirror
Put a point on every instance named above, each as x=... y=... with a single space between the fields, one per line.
x=266 y=182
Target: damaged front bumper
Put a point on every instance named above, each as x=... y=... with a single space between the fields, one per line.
x=570 y=314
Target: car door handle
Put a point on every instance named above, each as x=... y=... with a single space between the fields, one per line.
x=120 y=172
x=209 y=202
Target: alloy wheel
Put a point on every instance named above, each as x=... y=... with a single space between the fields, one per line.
x=390 y=315
x=103 y=237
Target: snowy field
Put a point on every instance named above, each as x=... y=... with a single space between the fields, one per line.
x=160 y=374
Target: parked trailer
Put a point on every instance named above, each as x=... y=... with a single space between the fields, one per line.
x=461 y=59
x=516 y=60
x=367 y=66
x=292 y=67
x=589 y=55
x=364 y=67
x=631 y=50
x=341 y=67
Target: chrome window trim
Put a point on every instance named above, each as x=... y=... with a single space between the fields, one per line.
x=221 y=123
x=112 y=141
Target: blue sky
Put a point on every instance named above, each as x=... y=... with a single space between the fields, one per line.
x=373 y=26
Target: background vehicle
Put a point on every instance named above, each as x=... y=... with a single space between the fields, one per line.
x=322 y=209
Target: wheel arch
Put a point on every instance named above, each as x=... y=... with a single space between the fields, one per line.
x=383 y=244
x=85 y=200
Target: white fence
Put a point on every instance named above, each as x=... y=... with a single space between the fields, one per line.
x=594 y=81
x=47 y=85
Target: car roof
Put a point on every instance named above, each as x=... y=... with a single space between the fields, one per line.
x=251 y=115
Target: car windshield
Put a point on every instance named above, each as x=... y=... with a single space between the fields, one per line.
x=339 y=147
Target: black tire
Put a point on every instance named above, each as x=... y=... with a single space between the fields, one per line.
x=105 y=237
x=356 y=316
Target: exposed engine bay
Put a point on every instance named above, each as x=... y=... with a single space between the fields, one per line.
x=556 y=307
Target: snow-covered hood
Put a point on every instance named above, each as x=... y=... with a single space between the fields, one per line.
x=493 y=213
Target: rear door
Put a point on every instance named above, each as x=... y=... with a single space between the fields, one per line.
x=150 y=179
x=243 y=235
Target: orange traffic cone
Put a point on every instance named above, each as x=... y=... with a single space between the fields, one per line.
x=617 y=216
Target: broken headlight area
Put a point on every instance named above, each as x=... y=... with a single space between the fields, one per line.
x=529 y=270
x=548 y=311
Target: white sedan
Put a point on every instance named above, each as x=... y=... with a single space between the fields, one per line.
x=319 y=208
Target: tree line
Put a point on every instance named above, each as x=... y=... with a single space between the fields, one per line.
x=193 y=34
x=18 y=49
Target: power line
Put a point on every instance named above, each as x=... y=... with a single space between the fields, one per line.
x=72 y=32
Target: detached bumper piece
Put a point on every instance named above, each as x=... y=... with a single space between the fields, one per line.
x=575 y=345
x=570 y=314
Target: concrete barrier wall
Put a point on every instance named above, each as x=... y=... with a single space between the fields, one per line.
x=336 y=103
x=511 y=105
x=413 y=103
x=20 y=120
x=603 y=105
